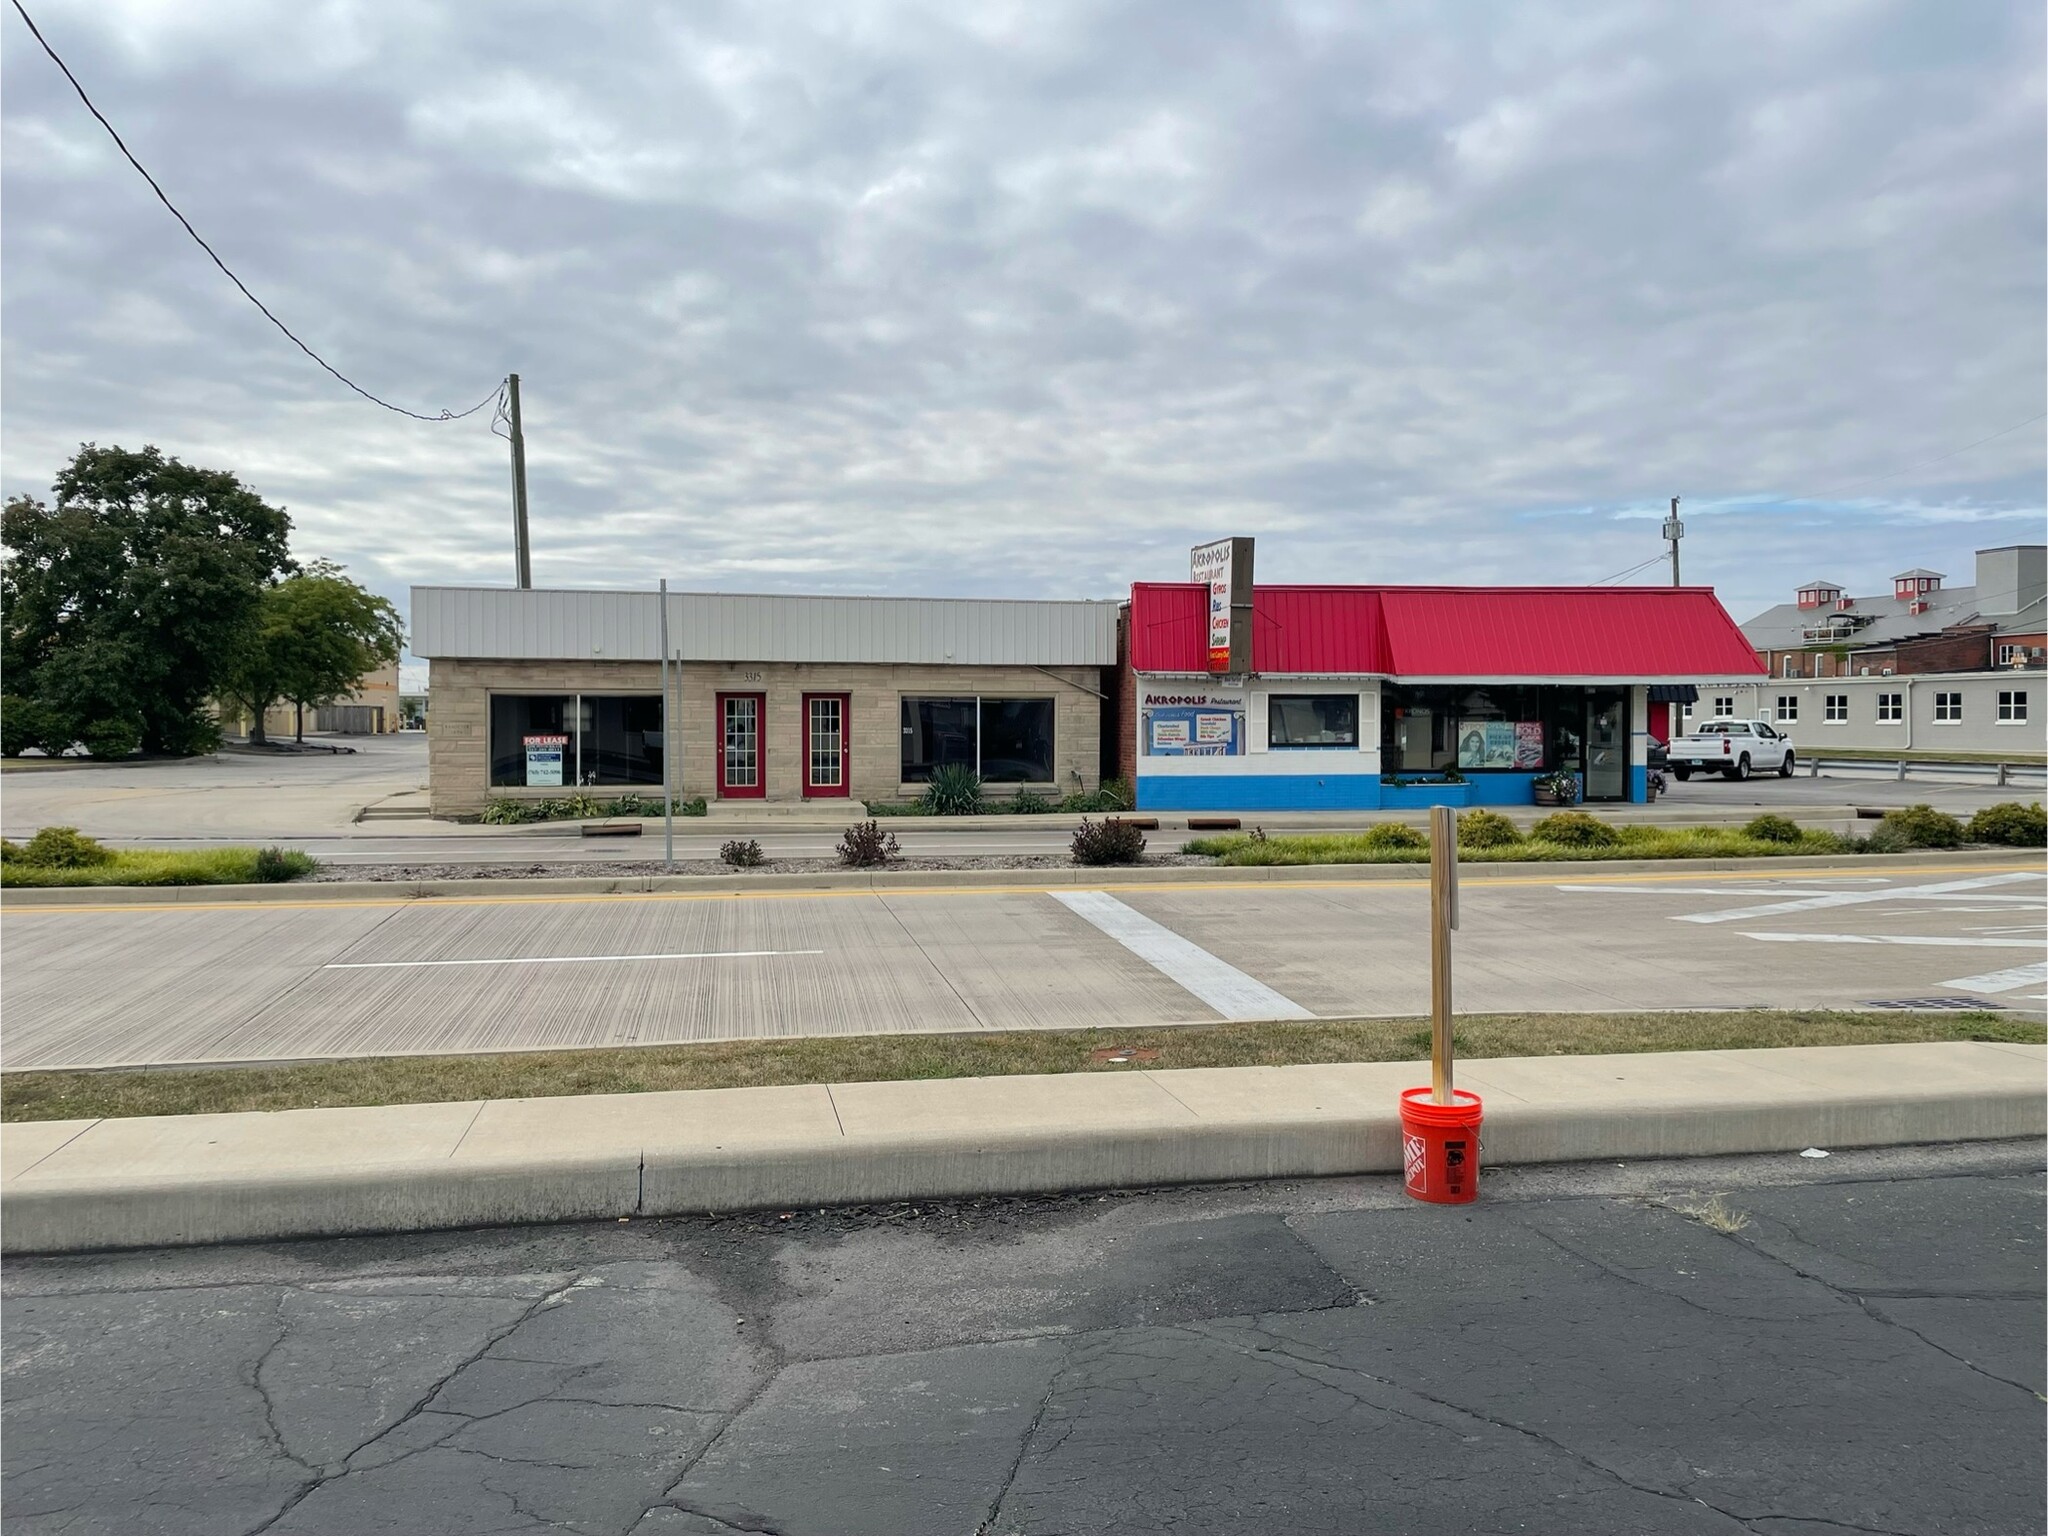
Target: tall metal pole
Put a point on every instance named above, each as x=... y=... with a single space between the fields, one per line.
x=1443 y=917
x=668 y=794
x=1674 y=531
x=521 y=545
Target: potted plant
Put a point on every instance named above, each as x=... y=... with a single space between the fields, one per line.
x=1560 y=787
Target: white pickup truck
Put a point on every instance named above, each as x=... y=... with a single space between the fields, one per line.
x=1736 y=748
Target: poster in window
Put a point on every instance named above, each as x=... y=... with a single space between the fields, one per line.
x=1487 y=744
x=1193 y=725
x=544 y=756
x=1528 y=744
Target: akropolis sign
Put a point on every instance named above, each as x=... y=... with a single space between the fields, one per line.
x=1224 y=566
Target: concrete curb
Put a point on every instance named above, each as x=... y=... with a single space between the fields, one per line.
x=77 y=1186
x=535 y=888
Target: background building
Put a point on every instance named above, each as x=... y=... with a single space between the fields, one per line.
x=1999 y=712
x=777 y=699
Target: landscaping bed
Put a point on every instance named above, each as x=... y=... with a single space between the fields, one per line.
x=52 y=1096
x=61 y=856
x=768 y=866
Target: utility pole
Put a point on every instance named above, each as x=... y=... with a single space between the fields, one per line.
x=522 y=546
x=668 y=790
x=1673 y=531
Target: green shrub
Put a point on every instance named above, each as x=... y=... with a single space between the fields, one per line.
x=1028 y=803
x=1886 y=838
x=896 y=808
x=864 y=846
x=27 y=723
x=112 y=738
x=65 y=848
x=503 y=811
x=1394 y=835
x=1575 y=830
x=2012 y=824
x=1770 y=828
x=1107 y=843
x=10 y=851
x=695 y=806
x=742 y=853
x=1922 y=827
x=954 y=790
x=276 y=864
x=1117 y=795
x=1486 y=830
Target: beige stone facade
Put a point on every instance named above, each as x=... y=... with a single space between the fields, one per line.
x=458 y=728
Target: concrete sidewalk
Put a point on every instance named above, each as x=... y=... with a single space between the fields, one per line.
x=81 y=1185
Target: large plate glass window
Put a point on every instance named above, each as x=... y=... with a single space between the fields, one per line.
x=549 y=720
x=1312 y=720
x=542 y=741
x=938 y=732
x=1003 y=740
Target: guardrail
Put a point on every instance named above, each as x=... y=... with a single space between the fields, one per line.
x=2001 y=774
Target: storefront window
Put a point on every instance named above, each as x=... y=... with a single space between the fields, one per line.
x=1003 y=740
x=1520 y=729
x=1312 y=720
x=542 y=741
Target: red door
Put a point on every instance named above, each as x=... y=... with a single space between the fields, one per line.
x=742 y=769
x=825 y=766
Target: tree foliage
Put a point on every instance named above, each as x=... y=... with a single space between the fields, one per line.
x=123 y=604
x=313 y=636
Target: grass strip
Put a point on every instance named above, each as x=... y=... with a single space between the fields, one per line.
x=48 y=1096
x=1634 y=841
x=159 y=867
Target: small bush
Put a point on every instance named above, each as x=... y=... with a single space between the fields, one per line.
x=865 y=845
x=276 y=864
x=1575 y=830
x=25 y=723
x=1395 y=835
x=742 y=853
x=1107 y=843
x=2012 y=824
x=1770 y=828
x=1486 y=830
x=954 y=790
x=1117 y=795
x=1886 y=838
x=695 y=806
x=10 y=851
x=503 y=811
x=1922 y=827
x=65 y=848
x=1028 y=803
x=112 y=738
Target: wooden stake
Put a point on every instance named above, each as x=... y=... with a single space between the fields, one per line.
x=1443 y=917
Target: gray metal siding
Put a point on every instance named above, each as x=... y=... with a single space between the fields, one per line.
x=510 y=624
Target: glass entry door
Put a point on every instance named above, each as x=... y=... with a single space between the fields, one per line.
x=1606 y=744
x=740 y=769
x=825 y=744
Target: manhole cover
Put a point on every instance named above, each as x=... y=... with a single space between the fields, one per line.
x=1932 y=1003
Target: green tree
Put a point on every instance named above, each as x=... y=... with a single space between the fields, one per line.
x=314 y=635
x=122 y=606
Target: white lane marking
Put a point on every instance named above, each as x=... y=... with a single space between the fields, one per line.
x=1219 y=984
x=1691 y=891
x=1894 y=939
x=568 y=960
x=1855 y=898
x=2010 y=980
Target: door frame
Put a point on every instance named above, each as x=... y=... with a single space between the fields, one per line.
x=843 y=788
x=758 y=790
x=1627 y=745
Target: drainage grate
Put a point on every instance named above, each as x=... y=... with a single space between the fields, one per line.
x=1932 y=1003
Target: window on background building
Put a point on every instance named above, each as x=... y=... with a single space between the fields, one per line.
x=1003 y=740
x=1788 y=707
x=2012 y=706
x=1685 y=710
x=2005 y=655
x=1312 y=720
x=1790 y=667
x=550 y=740
x=1724 y=705
x=1837 y=708
x=1891 y=708
x=1948 y=708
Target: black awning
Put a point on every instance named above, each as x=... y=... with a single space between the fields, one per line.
x=1674 y=693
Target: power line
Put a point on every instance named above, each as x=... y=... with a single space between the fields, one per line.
x=1631 y=571
x=445 y=416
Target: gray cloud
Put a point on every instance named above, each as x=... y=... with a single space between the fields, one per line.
x=1028 y=298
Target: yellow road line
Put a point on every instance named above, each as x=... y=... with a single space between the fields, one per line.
x=1382 y=883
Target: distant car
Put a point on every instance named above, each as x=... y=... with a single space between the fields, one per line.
x=1734 y=748
x=1660 y=755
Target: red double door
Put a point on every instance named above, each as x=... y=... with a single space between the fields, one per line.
x=742 y=745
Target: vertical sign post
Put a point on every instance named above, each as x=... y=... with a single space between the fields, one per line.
x=1224 y=566
x=668 y=793
x=1443 y=917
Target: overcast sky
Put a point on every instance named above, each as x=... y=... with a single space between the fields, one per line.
x=1025 y=299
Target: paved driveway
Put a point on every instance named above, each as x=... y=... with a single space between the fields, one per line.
x=261 y=981
x=1571 y=1354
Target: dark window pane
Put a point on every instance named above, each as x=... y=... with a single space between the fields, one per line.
x=1312 y=720
x=1016 y=740
x=514 y=717
x=936 y=731
x=621 y=739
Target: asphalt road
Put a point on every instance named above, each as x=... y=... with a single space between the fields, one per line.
x=1572 y=1354
x=240 y=981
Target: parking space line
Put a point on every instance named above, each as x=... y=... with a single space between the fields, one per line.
x=1855 y=898
x=1894 y=939
x=2010 y=980
x=1228 y=991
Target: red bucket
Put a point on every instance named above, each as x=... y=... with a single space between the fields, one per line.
x=1440 y=1145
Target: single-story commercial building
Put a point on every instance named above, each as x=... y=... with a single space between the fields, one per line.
x=772 y=698
x=1973 y=712
x=1366 y=697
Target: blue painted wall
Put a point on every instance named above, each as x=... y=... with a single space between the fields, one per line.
x=1339 y=792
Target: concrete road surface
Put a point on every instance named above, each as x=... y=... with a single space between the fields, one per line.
x=194 y=982
x=1572 y=1354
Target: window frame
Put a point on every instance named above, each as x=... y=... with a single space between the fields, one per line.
x=1948 y=708
x=572 y=727
x=1357 y=729
x=1724 y=707
x=2012 y=707
x=1787 y=708
x=1891 y=709
x=1052 y=701
x=1834 y=710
